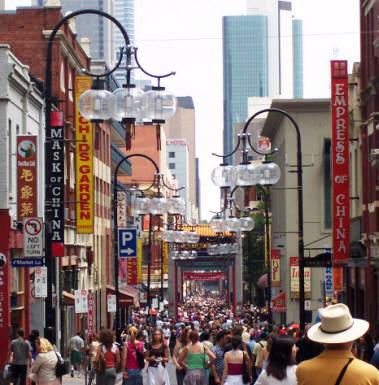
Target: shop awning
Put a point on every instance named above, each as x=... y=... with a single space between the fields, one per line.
x=128 y=295
x=279 y=303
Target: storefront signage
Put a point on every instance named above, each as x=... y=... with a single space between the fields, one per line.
x=55 y=184
x=26 y=176
x=279 y=303
x=33 y=237
x=90 y=315
x=121 y=208
x=340 y=161
x=275 y=267
x=139 y=260
x=84 y=164
x=111 y=303
x=329 y=282
x=295 y=285
x=132 y=271
x=197 y=276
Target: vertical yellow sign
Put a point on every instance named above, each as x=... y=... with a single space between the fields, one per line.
x=84 y=163
x=139 y=260
x=165 y=252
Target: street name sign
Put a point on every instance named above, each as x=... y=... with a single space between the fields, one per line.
x=127 y=243
x=26 y=262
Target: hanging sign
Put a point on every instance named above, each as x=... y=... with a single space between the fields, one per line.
x=340 y=161
x=90 y=314
x=329 y=282
x=121 y=208
x=132 y=271
x=81 y=301
x=275 y=267
x=26 y=176
x=40 y=282
x=84 y=163
x=55 y=184
x=111 y=303
x=295 y=284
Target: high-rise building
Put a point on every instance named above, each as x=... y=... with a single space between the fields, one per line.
x=124 y=13
x=97 y=28
x=297 y=44
x=258 y=57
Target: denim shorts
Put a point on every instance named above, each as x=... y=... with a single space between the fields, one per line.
x=134 y=377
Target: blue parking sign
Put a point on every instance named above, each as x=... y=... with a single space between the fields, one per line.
x=127 y=243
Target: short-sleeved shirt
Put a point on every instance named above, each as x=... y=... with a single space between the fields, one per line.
x=219 y=361
x=257 y=349
x=76 y=344
x=20 y=350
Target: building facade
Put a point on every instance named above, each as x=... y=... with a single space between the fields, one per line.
x=313 y=118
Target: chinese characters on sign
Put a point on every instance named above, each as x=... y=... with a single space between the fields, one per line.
x=90 y=315
x=55 y=184
x=26 y=176
x=340 y=161
x=84 y=164
x=275 y=267
x=121 y=208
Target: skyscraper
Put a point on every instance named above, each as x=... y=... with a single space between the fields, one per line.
x=297 y=42
x=259 y=59
x=124 y=13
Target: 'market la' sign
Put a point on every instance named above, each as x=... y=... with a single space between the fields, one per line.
x=340 y=161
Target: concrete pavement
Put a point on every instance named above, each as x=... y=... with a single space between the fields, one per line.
x=68 y=380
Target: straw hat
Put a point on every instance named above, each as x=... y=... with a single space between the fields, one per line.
x=337 y=326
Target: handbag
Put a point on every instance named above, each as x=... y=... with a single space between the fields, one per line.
x=140 y=359
x=343 y=371
x=62 y=367
x=245 y=371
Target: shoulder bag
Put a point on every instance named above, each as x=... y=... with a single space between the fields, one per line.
x=99 y=364
x=62 y=367
x=140 y=357
x=343 y=371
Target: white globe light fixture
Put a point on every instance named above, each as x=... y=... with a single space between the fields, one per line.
x=218 y=225
x=246 y=174
x=232 y=224
x=158 y=206
x=246 y=223
x=268 y=173
x=96 y=104
x=159 y=105
x=128 y=103
x=224 y=176
x=140 y=206
x=176 y=205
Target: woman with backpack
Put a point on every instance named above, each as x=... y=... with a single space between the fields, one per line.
x=132 y=359
x=107 y=360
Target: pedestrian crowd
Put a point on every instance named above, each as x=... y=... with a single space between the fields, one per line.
x=209 y=345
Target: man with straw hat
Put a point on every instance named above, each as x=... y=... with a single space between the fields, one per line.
x=336 y=365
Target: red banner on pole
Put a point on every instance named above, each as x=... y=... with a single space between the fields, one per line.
x=340 y=161
x=132 y=271
x=26 y=176
x=197 y=276
x=90 y=315
x=5 y=310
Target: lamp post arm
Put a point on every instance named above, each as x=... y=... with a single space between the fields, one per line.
x=230 y=154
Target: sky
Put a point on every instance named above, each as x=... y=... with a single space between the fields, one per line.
x=186 y=36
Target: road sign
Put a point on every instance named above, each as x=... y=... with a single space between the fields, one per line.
x=127 y=243
x=27 y=262
x=320 y=260
x=33 y=237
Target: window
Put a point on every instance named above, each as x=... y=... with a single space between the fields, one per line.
x=171 y=166
x=171 y=154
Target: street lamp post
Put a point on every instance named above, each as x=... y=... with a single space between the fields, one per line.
x=247 y=174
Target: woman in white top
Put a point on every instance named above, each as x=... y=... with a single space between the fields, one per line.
x=281 y=368
x=43 y=368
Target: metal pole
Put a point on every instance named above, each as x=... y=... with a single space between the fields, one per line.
x=150 y=245
x=160 y=247
x=268 y=248
x=115 y=255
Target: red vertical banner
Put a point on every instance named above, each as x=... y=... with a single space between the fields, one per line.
x=132 y=271
x=5 y=310
x=90 y=315
x=340 y=161
x=275 y=267
x=26 y=176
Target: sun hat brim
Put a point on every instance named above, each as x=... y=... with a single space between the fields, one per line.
x=359 y=328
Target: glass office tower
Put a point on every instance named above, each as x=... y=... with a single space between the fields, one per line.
x=297 y=41
x=245 y=56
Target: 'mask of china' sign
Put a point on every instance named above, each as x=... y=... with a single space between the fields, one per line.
x=340 y=161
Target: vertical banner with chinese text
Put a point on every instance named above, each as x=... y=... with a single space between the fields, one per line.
x=90 y=315
x=165 y=253
x=26 y=176
x=55 y=185
x=84 y=163
x=132 y=271
x=139 y=260
x=275 y=267
x=340 y=161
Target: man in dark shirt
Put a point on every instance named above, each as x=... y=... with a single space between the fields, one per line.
x=307 y=349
